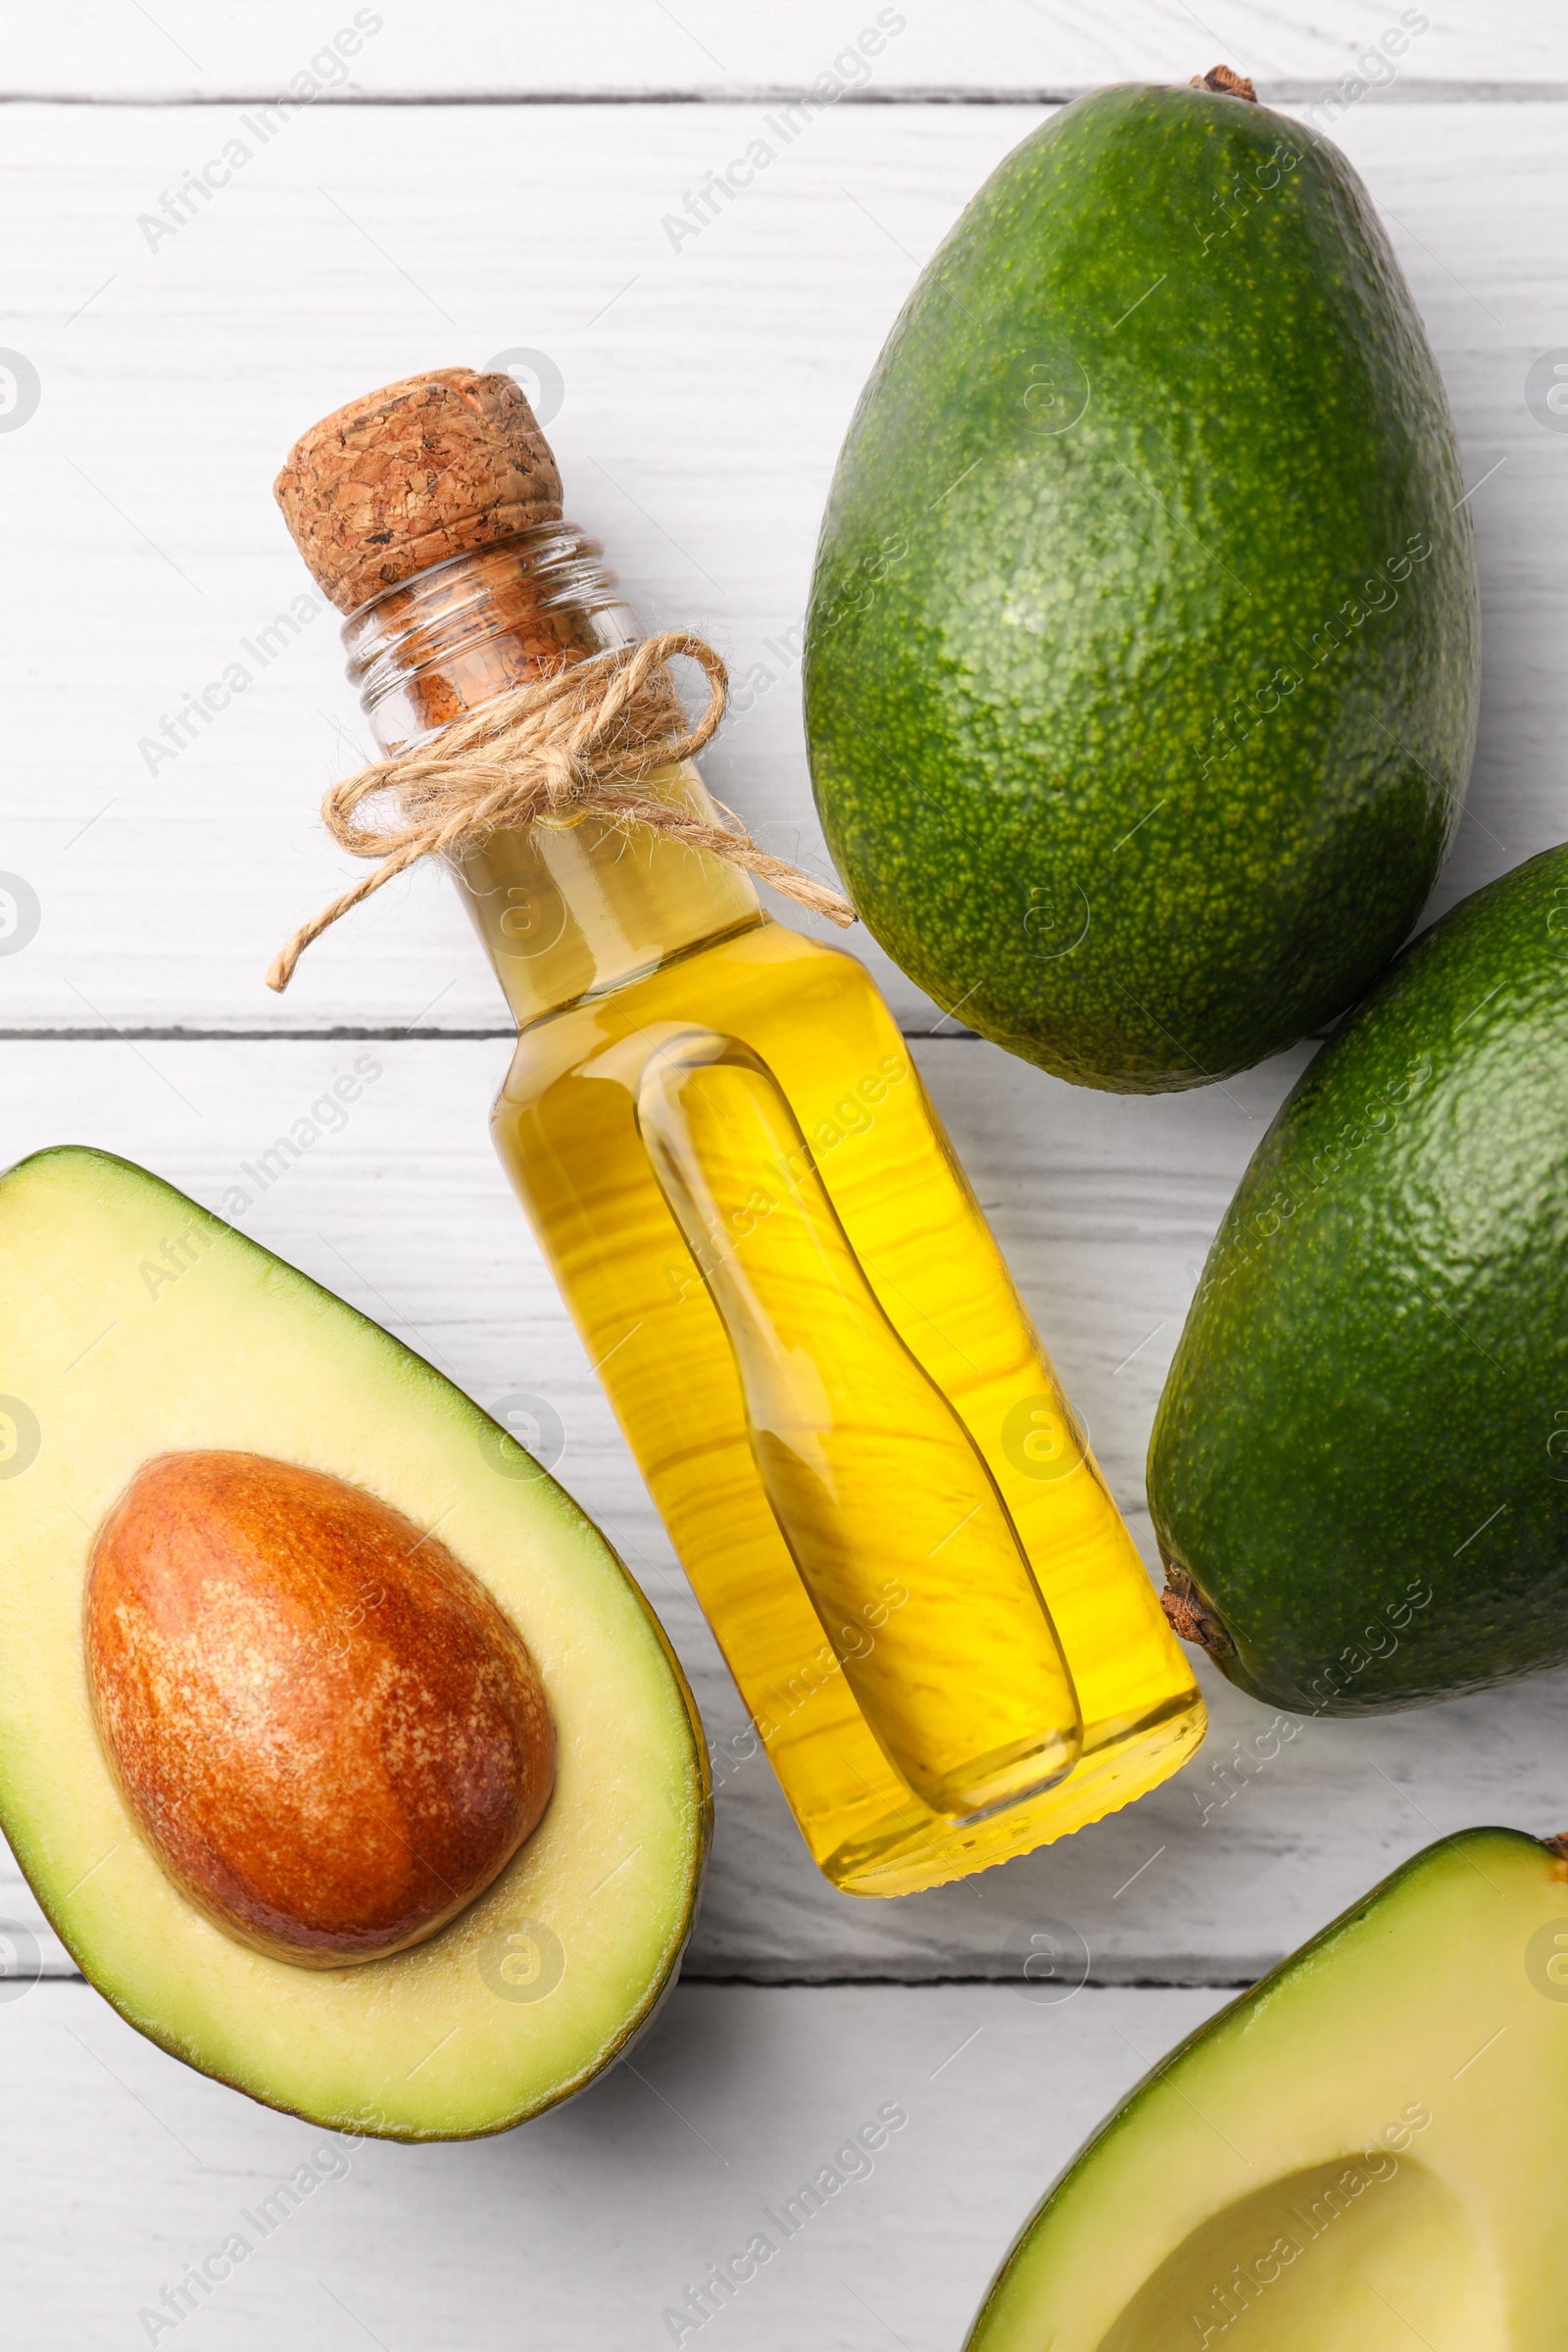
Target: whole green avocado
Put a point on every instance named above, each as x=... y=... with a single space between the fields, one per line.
x=1359 y=1468
x=1141 y=662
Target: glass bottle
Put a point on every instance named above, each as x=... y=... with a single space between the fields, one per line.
x=889 y=1512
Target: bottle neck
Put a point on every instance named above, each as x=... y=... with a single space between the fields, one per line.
x=567 y=907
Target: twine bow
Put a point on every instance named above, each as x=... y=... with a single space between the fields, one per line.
x=582 y=738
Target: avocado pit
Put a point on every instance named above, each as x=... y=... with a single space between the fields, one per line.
x=329 y=1732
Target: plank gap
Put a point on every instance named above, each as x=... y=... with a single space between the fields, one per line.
x=386 y=1036
x=1145 y=1979
x=1406 y=93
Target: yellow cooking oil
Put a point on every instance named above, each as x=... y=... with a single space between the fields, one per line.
x=892 y=1519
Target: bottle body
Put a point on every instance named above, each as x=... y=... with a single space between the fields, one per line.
x=567 y=1129
x=938 y=1622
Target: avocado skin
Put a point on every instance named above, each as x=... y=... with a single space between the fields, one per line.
x=1052 y=742
x=1376 y=1361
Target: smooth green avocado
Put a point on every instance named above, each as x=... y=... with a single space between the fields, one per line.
x=1359 y=1472
x=1368 y=2152
x=133 y=1326
x=1141 y=658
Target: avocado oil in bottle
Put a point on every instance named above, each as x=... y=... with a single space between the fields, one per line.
x=938 y=1622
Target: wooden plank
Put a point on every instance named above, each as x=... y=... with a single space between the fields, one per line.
x=583 y=2228
x=1104 y=1205
x=705 y=393
x=191 y=50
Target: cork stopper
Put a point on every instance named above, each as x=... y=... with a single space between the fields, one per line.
x=408 y=476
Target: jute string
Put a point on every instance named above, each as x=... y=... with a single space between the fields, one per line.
x=582 y=738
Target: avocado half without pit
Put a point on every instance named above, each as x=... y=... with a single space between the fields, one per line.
x=336 y=1743
x=1367 y=2152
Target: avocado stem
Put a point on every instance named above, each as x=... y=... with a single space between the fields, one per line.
x=1225 y=83
x=1190 y=1615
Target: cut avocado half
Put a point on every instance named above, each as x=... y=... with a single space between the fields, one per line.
x=135 y=1326
x=1368 y=2151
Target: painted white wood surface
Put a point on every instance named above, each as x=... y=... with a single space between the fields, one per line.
x=193 y=48
x=1104 y=1205
x=705 y=391
x=585 y=2226
x=704 y=394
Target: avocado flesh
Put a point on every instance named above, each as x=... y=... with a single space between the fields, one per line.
x=1358 y=1458
x=1295 y=2114
x=120 y=1360
x=1157 y=433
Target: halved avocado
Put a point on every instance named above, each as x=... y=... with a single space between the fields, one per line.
x=135 y=1325
x=1367 y=2151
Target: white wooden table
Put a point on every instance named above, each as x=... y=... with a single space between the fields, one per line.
x=483 y=180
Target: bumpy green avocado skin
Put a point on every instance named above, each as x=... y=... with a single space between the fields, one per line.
x=1141 y=657
x=1360 y=1458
